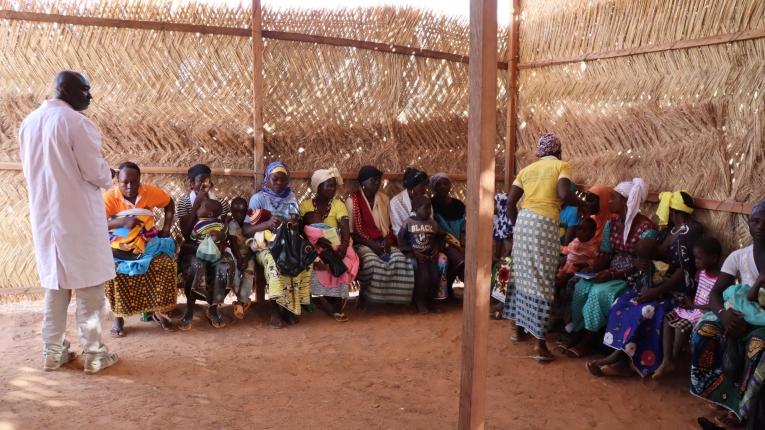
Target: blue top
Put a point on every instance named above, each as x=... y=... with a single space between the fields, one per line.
x=283 y=207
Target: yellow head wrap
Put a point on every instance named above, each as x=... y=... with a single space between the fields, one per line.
x=671 y=200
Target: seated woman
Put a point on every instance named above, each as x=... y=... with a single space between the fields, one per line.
x=635 y=321
x=593 y=298
x=415 y=184
x=449 y=212
x=724 y=336
x=331 y=211
x=145 y=279
x=269 y=208
x=386 y=276
x=201 y=188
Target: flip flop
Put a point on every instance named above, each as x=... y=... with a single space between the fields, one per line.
x=729 y=420
x=542 y=358
x=115 y=332
x=573 y=353
x=708 y=425
x=593 y=369
x=215 y=321
x=164 y=322
x=340 y=317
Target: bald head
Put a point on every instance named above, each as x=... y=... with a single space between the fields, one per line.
x=72 y=88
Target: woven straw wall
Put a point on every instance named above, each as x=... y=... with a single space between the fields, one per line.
x=174 y=99
x=686 y=119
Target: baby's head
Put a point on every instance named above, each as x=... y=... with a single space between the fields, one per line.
x=707 y=252
x=647 y=248
x=422 y=208
x=585 y=231
x=210 y=208
x=239 y=209
x=312 y=218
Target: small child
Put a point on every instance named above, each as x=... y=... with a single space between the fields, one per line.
x=580 y=256
x=678 y=324
x=420 y=239
x=581 y=252
x=209 y=224
x=244 y=280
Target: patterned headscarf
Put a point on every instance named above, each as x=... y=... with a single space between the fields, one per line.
x=437 y=177
x=275 y=167
x=635 y=191
x=548 y=144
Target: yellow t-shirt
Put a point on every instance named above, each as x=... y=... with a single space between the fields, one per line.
x=539 y=182
x=337 y=211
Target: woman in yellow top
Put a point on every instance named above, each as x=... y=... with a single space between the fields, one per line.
x=334 y=213
x=544 y=185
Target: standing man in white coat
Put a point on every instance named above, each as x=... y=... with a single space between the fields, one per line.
x=64 y=169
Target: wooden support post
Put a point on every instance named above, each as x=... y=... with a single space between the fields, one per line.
x=257 y=115
x=511 y=145
x=482 y=139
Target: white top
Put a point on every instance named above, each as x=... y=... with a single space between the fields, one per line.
x=64 y=169
x=740 y=263
x=400 y=210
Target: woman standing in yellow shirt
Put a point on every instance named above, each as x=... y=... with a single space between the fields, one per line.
x=544 y=185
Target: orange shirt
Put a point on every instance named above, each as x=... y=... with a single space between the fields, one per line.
x=149 y=197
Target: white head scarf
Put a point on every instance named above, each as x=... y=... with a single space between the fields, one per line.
x=635 y=191
x=322 y=175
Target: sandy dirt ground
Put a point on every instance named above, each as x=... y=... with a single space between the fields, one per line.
x=387 y=368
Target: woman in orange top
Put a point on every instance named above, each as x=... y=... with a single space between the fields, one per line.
x=144 y=255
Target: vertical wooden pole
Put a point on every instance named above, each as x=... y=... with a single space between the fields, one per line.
x=482 y=138
x=257 y=120
x=257 y=90
x=512 y=96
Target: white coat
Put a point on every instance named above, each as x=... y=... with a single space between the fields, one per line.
x=64 y=169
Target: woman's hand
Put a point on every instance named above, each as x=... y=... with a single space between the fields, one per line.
x=687 y=303
x=733 y=322
x=342 y=250
x=324 y=243
x=648 y=296
x=754 y=290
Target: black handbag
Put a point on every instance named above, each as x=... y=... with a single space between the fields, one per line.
x=291 y=251
x=335 y=263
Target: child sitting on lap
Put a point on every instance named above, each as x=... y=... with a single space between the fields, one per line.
x=421 y=240
x=580 y=254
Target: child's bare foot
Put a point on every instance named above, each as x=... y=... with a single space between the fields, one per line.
x=665 y=369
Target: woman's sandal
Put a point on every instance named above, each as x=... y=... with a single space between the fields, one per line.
x=117 y=332
x=729 y=420
x=215 y=320
x=340 y=317
x=541 y=358
x=240 y=309
x=164 y=322
x=594 y=369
